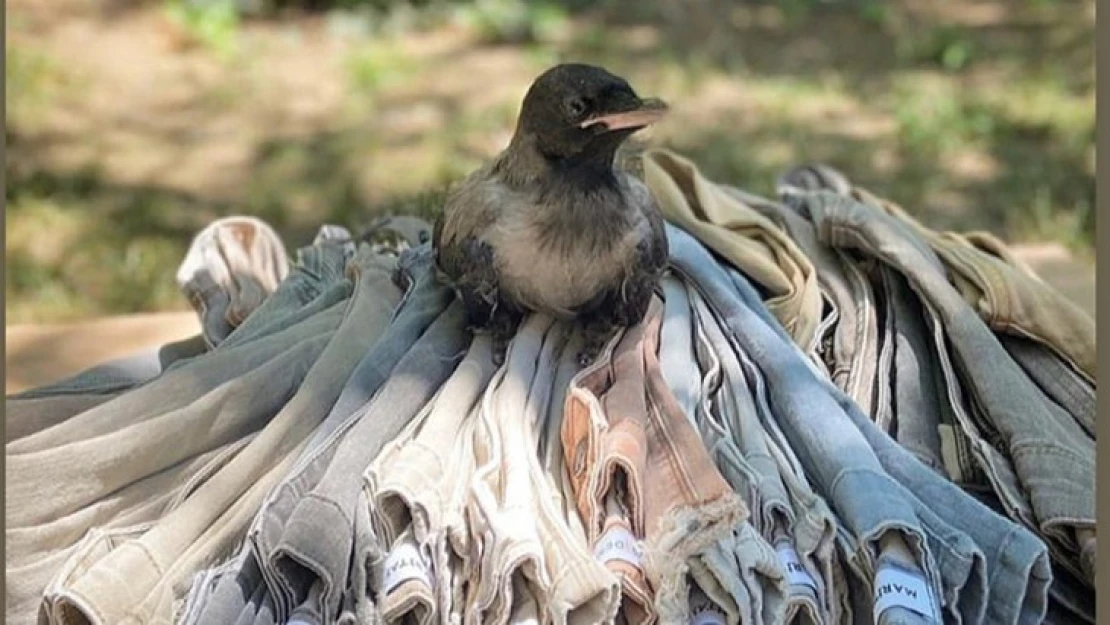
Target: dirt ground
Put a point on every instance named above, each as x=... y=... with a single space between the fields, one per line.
x=128 y=132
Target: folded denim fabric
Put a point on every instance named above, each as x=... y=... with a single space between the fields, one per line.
x=423 y=302
x=732 y=431
x=969 y=542
x=316 y=542
x=741 y=574
x=750 y=241
x=1002 y=292
x=1042 y=461
x=676 y=499
x=216 y=513
x=109 y=378
x=837 y=458
x=526 y=555
x=409 y=483
x=849 y=346
x=231 y=266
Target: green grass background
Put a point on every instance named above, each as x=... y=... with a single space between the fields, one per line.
x=133 y=123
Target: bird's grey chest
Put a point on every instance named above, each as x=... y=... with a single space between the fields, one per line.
x=558 y=265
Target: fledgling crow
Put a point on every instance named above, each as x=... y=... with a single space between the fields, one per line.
x=550 y=225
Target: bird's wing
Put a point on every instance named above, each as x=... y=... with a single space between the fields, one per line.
x=653 y=251
x=468 y=211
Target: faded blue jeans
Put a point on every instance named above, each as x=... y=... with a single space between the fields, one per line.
x=872 y=483
x=1039 y=459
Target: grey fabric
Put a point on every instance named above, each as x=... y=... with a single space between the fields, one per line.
x=316 y=541
x=1057 y=379
x=423 y=300
x=852 y=352
x=1041 y=462
x=912 y=496
x=282 y=401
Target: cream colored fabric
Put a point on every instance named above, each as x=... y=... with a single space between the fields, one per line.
x=750 y=241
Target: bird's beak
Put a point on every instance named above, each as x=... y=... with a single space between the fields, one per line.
x=645 y=112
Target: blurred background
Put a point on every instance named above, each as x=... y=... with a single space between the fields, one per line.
x=133 y=123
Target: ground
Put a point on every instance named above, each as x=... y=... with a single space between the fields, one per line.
x=132 y=123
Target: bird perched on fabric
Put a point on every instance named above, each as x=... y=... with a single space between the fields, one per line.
x=550 y=225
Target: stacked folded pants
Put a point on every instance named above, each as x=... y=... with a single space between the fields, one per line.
x=830 y=414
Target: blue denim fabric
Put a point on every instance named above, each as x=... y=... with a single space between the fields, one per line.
x=816 y=418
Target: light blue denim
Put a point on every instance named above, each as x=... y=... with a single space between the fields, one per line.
x=1040 y=460
x=950 y=534
x=423 y=300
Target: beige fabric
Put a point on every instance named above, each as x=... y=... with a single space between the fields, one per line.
x=747 y=239
x=135 y=582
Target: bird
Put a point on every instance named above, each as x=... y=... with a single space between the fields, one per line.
x=551 y=224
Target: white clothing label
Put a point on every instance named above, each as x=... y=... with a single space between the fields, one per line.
x=708 y=616
x=901 y=587
x=617 y=543
x=796 y=573
x=405 y=563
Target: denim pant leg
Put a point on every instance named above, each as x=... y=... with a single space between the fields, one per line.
x=843 y=464
x=316 y=542
x=1012 y=555
x=317 y=268
x=915 y=376
x=852 y=354
x=1051 y=456
x=219 y=510
x=116 y=375
x=747 y=462
x=231 y=266
x=1056 y=378
x=423 y=302
x=742 y=568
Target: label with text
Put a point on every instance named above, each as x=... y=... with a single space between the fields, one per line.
x=617 y=543
x=796 y=573
x=405 y=563
x=897 y=586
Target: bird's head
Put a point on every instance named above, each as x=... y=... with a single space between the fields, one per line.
x=582 y=113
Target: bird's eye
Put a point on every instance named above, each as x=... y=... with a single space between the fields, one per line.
x=576 y=106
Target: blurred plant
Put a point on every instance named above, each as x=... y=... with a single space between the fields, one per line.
x=513 y=21
x=949 y=47
x=32 y=79
x=213 y=24
x=374 y=66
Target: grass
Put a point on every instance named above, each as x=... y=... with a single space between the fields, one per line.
x=984 y=124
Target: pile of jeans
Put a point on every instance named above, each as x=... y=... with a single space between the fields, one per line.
x=831 y=414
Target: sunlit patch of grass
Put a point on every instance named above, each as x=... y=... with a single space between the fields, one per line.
x=33 y=80
x=1046 y=218
x=213 y=24
x=513 y=21
x=376 y=65
x=1043 y=102
x=64 y=262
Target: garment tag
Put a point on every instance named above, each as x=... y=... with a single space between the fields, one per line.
x=617 y=543
x=896 y=586
x=796 y=573
x=405 y=563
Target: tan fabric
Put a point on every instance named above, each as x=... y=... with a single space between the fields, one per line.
x=625 y=435
x=1004 y=292
x=525 y=551
x=232 y=265
x=136 y=581
x=747 y=239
